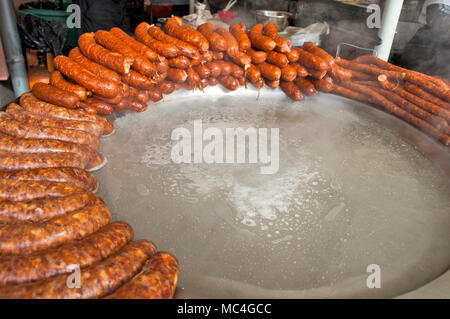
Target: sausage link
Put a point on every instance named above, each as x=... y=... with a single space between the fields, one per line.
x=288 y=73
x=162 y=65
x=17 y=239
x=312 y=62
x=14 y=190
x=193 y=77
x=167 y=87
x=57 y=80
x=257 y=57
x=137 y=80
x=269 y=71
x=237 y=71
x=214 y=68
x=40 y=160
x=414 y=89
x=321 y=53
x=95 y=68
x=206 y=57
x=141 y=95
x=10 y=126
x=167 y=50
x=282 y=45
x=322 y=85
x=157 y=280
x=180 y=62
x=216 y=41
x=217 y=56
x=111 y=42
x=272 y=84
x=42 y=209
x=21 y=153
x=354 y=95
x=85 y=78
x=291 y=90
x=189 y=35
x=350 y=65
x=260 y=41
x=231 y=42
x=155 y=94
x=253 y=74
x=91 y=249
x=213 y=81
x=98 y=280
x=177 y=75
x=135 y=105
x=113 y=100
x=135 y=45
x=301 y=70
x=306 y=86
x=239 y=31
x=115 y=61
x=370 y=59
x=203 y=71
x=226 y=67
x=316 y=74
x=35 y=106
x=203 y=83
x=73 y=176
x=434 y=120
x=341 y=74
x=21 y=115
x=378 y=99
x=293 y=55
x=160 y=77
x=101 y=106
x=242 y=81
x=259 y=84
x=428 y=106
x=278 y=59
x=361 y=76
x=184 y=48
x=229 y=82
x=52 y=94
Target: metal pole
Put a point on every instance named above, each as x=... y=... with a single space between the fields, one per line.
x=389 y=21
x=191 y=6
x=13 y=49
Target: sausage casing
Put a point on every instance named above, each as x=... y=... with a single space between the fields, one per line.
x=83 y=253
x=189 y=35
x=99 y=54
x=21 y=115
x=93 y=67
x=27 y=238
x=291 y=90
x=10 y=126
x=85 y=78
x=97 y=280
x=38 y=210
x=217 y=42
x=57 y=80
x=73 y=176
x=157 y=280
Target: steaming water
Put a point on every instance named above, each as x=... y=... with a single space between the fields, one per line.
x=349 y=193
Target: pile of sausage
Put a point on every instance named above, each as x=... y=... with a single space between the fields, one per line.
x=112 y=71
x=419 y=99
x=53 y=228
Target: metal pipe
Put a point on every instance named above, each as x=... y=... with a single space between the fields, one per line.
x=191 y=6
x=389 y=21
x=13 y=49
